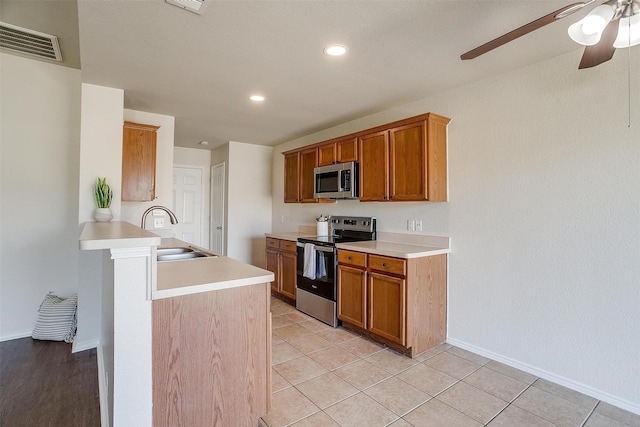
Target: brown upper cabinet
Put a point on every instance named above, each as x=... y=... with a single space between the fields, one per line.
x=407 y=162
x=400 y=161
x=345 y=150
x=138 y=162
x=292 y=177
x=308 y=161
x=298 y=176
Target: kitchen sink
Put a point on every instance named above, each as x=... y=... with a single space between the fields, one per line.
x=181 y=253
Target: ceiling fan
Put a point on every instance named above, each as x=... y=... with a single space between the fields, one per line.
x=613 y=24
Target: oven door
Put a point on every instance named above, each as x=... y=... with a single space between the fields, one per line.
x=324 y=284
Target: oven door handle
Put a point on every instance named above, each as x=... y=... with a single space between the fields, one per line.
x=317 y=248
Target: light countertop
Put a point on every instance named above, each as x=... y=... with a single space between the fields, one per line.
x=292 y=236
x=193 y=276
x=115 y=234
x=397 y=245
x=174 y=278
x=394 y=249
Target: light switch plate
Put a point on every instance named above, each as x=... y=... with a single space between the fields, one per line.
x=158 y=222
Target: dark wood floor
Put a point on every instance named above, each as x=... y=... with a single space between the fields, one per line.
x=43 y=384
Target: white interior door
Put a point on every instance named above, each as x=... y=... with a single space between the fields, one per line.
x=217 y=209
x=188 y=205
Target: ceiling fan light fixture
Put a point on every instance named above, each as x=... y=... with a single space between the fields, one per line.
x=588 y=30
x=628 y=32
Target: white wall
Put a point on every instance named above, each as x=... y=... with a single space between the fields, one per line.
x=38 y=188
x=195 y=157
x=544 y=218
x=132 y=211
x=249 y=201
x=100 y=156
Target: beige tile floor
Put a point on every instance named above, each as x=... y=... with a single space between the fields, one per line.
x=330 y=377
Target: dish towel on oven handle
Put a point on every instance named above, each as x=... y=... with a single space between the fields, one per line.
x=321 y=269
x=309 y=261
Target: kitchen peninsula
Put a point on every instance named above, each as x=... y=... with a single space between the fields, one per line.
x=184 y=342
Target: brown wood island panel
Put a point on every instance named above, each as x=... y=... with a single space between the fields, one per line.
x=211 y=358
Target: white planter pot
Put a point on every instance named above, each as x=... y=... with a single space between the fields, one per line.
x=102 y=215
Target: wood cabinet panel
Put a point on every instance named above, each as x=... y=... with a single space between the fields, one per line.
x=211 y=361
x=408 y=152
x=387 y=298
x=291 y=177
x=374 y=166
x=347 y=150
x=387 y=265
x=352 y=295
x=138 y=162
x=281 y=259
x=327 y=154
x=272 y=261
x=288 y=274
x=273 y=243
x=308 y=161
x=353 y=258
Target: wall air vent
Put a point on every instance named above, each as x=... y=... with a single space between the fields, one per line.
x=195 y=6
x=29 y=42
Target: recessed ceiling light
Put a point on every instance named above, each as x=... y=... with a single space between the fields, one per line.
x=257 y=98
x=335 y=50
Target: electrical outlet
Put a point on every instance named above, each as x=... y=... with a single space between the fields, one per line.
x=418 y=225
x=158 y=222
x=282 y=218
x=411 y=225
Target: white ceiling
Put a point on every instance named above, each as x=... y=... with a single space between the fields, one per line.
x=202 y=68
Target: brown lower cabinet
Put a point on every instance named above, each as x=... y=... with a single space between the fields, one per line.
x=281 y=260
x=400 y=302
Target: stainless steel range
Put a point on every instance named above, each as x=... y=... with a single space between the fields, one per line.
x=317 y=283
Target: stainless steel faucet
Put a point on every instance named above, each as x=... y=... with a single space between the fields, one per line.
x=172 y=216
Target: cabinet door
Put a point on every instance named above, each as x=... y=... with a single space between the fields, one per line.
x=387 y=307
x=347 y=150
x=408 y=169
x=327 y=154
x=138 y=162
x=288 y=274
x=374 y=166
x=308 y=161
x=352 y=295
x=272 y=264
x=291 y=177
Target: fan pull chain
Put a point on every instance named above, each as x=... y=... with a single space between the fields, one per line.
x=629 y=75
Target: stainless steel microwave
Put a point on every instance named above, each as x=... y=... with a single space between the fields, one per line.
x=339 y=181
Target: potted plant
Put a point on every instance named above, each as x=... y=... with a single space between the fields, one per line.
x=103 y=196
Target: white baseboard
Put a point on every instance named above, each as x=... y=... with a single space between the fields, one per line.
x=573 y=385
x=84 y=345
x=103 y=389
x=16 y=336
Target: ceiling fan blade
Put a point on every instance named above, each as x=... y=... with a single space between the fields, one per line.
x=603 y=50
x=525 y=29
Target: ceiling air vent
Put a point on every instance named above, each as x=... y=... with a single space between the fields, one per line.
x=29 y=42
x=195 y=6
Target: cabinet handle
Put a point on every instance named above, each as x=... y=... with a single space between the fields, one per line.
x=362 y=273
x=384 y=264
x=385 y=197
x=349 y=258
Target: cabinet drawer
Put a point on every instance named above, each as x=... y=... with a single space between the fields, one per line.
x=388 y=265
x=287 y=245
x=352 y=258
x=273 y=243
